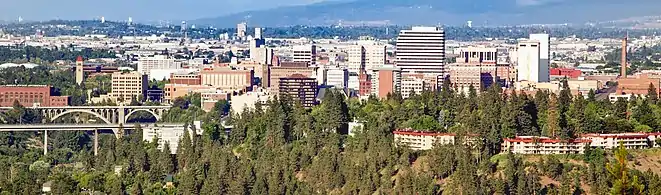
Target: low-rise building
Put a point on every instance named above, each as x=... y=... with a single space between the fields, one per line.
x=543 y=145
x=170 y=134
x=30 y=96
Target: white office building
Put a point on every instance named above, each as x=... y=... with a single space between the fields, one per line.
x=411 y=85
x=241 y=30
x=544 y=54
x=337 y=77
x=529 y=68
x=421 y=50
x=366 y=55
x=146 y=64
x=304 y=53
x=169 y=133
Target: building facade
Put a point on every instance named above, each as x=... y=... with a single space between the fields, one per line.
x=30 y=96
x=421 y=50
x=474 y=67
x=305 y=53
x=386 y=80
x=365 y=55
x=227 y=78
x=187 y=79
x=299 y=87
x=158 y=62
x=337 y=77
x=126 y=86
x=282 y=72
x=529 y=67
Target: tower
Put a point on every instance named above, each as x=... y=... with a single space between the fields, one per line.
x=79 y=70
x=623 y=63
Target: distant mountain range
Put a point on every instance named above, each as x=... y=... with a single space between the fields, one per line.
x=448 y=12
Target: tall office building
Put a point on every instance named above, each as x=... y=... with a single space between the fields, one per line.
x=241 y=30
x=386 y=80
x=305 y=53
x=366 y=55
x=474 y=66
x=258 y=33
x=529 y=67
x=544 y=55
x=421 y=50
x=79 y=70
x=125 y=86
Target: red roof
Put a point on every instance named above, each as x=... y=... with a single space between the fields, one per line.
x=79 y=59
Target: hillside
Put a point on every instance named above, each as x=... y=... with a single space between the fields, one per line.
x=450 y=12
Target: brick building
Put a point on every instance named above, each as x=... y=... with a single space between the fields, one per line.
x=565 y=72
x=300 y=87
x=638 y=86
x=188 y=79
x=227 y=78
x=31 y=95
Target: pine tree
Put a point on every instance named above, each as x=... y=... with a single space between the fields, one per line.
x=552 y=127
x=184 y=150
x=136 y=189
x=652 y=94
x=622 y=183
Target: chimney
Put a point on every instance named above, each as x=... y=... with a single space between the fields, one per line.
x=623 y=63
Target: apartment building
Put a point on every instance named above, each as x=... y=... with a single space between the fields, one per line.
x=126 y=85
x=299 y=87
x=170 y=134
x=544 y=145
x=278 y=72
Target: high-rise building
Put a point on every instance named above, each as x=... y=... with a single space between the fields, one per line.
x=299 y=87
x=544 y=54
x=529 y=67
x=337 y=77
x=305 y=53
x=241 y=30
x=126 y=86
x=277 y=72
x=79 y=70
x=421 y=50
x=258 y=33
x=366 y=55
x=474 y=66
x=146 y=64
x=386 y=80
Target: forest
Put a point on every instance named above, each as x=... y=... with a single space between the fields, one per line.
x=282 y=148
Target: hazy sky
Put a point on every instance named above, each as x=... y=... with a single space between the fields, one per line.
x=140 y=10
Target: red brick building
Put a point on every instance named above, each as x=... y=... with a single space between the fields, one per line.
x=187 y=79
x=565 y=72
x=365 y=83
x=31 y=95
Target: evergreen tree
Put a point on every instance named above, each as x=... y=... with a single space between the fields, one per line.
x=623 y=183
x=652 y=94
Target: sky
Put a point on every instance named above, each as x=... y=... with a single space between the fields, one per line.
x=139 y=10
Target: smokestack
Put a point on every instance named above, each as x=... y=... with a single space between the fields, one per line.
x=623 y=71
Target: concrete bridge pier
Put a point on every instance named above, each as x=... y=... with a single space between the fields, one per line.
x=45 y=142
x=96 y=142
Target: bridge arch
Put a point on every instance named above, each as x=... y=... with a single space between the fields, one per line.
x=158 y=117
x=97 y=115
